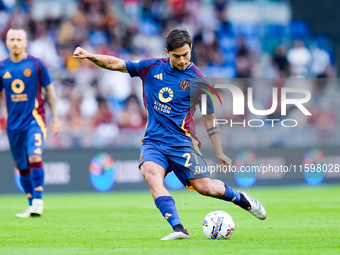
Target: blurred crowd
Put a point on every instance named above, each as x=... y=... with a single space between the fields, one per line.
x=102 y=108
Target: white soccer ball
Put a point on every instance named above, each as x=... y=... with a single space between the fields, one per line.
x=218 y=225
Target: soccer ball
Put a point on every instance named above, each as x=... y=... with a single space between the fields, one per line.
x=218 y=225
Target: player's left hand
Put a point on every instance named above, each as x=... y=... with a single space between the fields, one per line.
x=55 y=126
x=225 y=161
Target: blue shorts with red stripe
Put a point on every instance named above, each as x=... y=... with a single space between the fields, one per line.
x=185 y=162
x=26 y=143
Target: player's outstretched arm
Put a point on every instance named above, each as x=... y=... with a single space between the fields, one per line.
x=104 y=61
x=215 y=137
x=51 y=99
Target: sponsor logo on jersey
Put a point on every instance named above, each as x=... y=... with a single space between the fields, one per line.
x=18 y=86
x=165 y=95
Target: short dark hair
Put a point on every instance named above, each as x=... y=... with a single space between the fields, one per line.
x=177 y=38
x=17 y=27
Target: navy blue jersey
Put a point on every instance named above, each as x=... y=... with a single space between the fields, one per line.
x=23 y=82
x=170 y=97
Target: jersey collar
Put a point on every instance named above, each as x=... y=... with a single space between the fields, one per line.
x=175 y=69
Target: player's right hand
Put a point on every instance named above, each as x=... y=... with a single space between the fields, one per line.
x=80 y=53
x=55 y=126
x=224 y=160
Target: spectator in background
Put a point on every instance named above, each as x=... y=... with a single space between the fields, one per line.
x=43 y=43
x=133 y=117
x=74 y=118
x=104 y=128
x=280 y=61
x=3 y=51
x=220 y=6
x=325 y=121
x=213 y=53
x=103 y=116
x=320 y=62
x=243 y=59
x=198 y=52
x=178 y=8
x=299 y=59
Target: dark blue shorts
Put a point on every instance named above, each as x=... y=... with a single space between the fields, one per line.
x=185 y=162
x=26 y=143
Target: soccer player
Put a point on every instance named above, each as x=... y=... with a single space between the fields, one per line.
x=22 y=77
x=170 y=97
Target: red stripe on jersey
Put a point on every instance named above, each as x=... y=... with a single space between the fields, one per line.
x=144 y=101
x=145 y=70
x=190 y=121
x=200 y=74
x=164 y=60
x=186 y=123
x=142 y=73
x=39 y=96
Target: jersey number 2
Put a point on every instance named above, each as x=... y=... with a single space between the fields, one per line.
x=188 y=156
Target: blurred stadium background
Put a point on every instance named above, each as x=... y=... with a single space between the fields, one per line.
x=102 y=115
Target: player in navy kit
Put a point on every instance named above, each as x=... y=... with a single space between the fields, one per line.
x=22 y=78
x=171 y=89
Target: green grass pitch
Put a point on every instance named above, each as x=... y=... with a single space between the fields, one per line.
x=301 y=220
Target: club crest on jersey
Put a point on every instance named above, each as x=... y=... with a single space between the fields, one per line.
x=165 y=95
x=27 y=72
x=185 y=85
